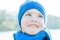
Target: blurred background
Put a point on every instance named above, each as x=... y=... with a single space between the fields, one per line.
x=9 y=22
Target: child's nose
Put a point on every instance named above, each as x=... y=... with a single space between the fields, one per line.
x=34 y=20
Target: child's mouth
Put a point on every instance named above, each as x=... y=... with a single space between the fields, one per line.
x=33 y=25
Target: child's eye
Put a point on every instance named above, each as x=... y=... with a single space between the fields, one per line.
x=28 y=14
x=40 y=16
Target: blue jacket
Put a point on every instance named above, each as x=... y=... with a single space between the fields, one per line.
x=42 y=35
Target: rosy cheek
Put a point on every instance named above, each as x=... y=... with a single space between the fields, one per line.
x=41 y=26
x=25 y=22
x=41 y=23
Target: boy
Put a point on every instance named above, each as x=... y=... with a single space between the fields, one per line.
x=32 y=19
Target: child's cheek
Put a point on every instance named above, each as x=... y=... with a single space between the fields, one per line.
x=25 y=22
x=41 y=23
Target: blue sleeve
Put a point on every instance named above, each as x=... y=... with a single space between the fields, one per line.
x=47 y=37
x=14 y=36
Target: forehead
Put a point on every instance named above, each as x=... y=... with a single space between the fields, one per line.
x=33 y=11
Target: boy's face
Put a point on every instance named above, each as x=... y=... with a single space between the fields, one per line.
x=32 y=21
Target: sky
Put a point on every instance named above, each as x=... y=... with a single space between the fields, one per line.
x=52 y=7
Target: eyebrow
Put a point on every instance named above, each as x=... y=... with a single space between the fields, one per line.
x=28 y=12
x=40 y=14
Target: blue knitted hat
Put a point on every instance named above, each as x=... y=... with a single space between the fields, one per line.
x=30 y=5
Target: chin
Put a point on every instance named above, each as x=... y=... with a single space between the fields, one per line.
x=31 y=32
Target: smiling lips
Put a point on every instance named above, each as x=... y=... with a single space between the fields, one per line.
x=33 y=25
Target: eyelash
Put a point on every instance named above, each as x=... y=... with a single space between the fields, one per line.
x=28 y=15
x=40 y=16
